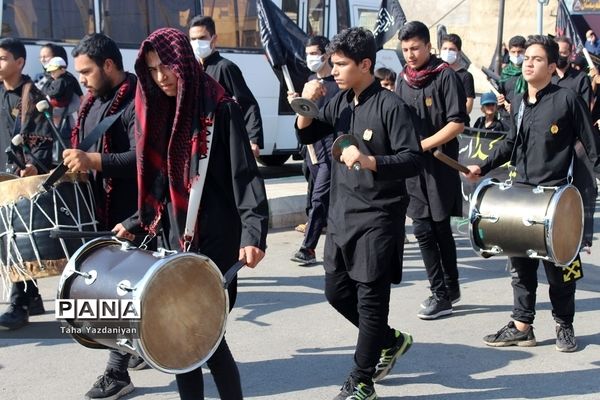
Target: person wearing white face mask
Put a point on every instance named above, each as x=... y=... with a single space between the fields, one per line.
x=449 y=52
x=511 y=83
x=318 y=167
x=203 y=38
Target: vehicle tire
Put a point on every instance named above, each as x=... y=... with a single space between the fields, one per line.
x=274 y=160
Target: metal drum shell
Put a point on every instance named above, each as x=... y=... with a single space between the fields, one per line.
x=183 y=302
x=558 y=212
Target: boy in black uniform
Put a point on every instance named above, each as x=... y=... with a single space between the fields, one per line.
x=203 y=37
x=365 y=231
x=552 y=119
x=21 y=117
x=450 y=52
x=435 y=95
x=511 y=83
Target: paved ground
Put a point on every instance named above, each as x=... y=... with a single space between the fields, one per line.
x=291 y=345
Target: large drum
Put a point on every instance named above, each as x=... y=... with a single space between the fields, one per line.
x=28 y=214
x=526 y=221
x=182 y=299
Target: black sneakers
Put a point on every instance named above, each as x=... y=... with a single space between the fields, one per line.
x=388 y=357
x=354 y=390
x=136 y=363
x=434 y=307
x=110 y=387
x=36 y=306
x=14 y=317
x=509 y=335
x=565 y=339
x=305 y=256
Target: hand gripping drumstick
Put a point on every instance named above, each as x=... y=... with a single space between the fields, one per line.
x=452 y=163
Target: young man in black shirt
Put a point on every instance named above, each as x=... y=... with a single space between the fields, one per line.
x=365 y=231
x=435 y=95
x=111 y=163
x=553 y=118
x=567 y=76
x=317 y=160
x=203 y=37
x=18 y=115
x=511 y=83
x=450 y=52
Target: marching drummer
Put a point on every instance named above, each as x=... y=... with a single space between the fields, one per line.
x=176 y=107
x=541 y=148
x=35 y=155
x=110 y=94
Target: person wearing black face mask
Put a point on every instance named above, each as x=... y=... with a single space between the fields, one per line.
x=569 y=77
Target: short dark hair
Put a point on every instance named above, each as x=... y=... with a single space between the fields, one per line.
x=320 y=41
x=14 y=47
x=205 y=21
x=549 y=45
x=385 y=74
x=454 y=39
x=414 y=29
x=516 y=41
x=564 y=39
x=356 y=44
x=57 y=51
x=99 y=48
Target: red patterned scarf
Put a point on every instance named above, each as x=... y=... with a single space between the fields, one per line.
x=171 y=132
x=421 y=77
x=125 y=94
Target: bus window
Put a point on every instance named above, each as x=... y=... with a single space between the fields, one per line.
x=130 y=22
x=343 y=15
x=290 y=8
x=58 y=20
x=316 y=18
x=236 y=23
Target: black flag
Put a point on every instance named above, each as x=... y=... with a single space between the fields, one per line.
x=284 y=43
x=390 y=19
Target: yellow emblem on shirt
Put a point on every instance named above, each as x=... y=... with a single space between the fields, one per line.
x=367 y=134
x=428 y=101
x=15 y=112
x=554 y=129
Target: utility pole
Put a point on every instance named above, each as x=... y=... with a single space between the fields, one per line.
x=540 y=15
x=499 y=40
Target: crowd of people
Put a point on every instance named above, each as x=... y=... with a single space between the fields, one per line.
x=155 y=125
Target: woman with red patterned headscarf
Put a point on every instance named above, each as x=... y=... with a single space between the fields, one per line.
x=175 y=104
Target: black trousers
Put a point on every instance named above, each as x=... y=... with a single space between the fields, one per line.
x=320 y=174
x=438 y=250
x=19 y=296
x=525 y=282
x=366 y=306
x=224 y=371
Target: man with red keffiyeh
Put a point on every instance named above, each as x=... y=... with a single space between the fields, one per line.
x=110 y=89
x=434 y=93
x=176 y=103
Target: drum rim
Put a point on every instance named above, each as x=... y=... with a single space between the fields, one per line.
x=474 y=199
x=137 y=343
x=551 y=211
x=139 y=288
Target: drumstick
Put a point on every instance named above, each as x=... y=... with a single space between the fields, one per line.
x=452 y=163
x=64 y=234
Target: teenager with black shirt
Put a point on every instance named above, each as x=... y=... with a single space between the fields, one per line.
x=436 y=97
x=365 y=232
x=553 y=118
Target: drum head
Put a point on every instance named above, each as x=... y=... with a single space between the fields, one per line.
x=567 y=226
x=184 y=311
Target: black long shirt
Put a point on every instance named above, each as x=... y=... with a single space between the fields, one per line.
x=234 y=210
x=435 y=193
x=367 y=209
x=545 y=146
x=578 y=81
x=36 y=132
x=468 y=84
x=119 y=164
x=230 y=77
